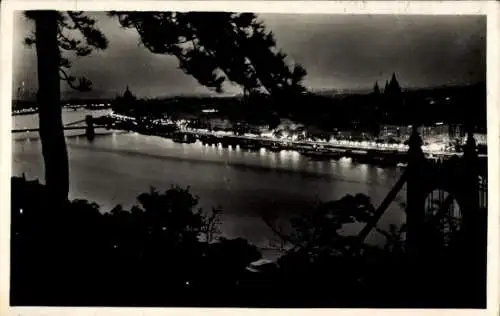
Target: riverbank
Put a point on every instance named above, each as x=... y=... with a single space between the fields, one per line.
x=377 y=154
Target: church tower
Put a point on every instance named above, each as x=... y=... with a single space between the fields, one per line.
x=376 y=89
x=394 y=85
x=393 y=99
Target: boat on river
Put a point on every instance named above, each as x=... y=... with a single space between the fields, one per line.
x=274 y=147
x=249 y=144
x=321 y=154
x=184 y=138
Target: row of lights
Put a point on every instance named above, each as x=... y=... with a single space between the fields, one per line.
x=122 y=117
x=24 y=110
x=434 y=147
x=364 y=144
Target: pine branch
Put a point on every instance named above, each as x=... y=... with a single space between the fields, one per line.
x=223 y=46
x=94 y=37
x=83 y=85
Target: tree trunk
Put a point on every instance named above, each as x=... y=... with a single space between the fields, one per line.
x=54 y=150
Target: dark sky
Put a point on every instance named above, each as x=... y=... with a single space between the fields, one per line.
x=338 y=51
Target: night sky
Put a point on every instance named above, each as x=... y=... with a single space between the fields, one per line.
x=339 y=52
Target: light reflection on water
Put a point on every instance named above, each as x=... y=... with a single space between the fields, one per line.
x=116 y=167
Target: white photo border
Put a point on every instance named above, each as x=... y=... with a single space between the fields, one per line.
x=489 y=8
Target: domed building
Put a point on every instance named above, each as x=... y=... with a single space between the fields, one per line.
x=125 y=103
x=128 y=95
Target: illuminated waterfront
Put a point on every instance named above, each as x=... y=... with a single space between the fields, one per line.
x=118 y=166
x=441 y=147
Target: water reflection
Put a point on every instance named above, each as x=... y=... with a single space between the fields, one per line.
x=114 y=140
x=363 y=168
x=295 y=157
x=345 y=161
x=272 y=159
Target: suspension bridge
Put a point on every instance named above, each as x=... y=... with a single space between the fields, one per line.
x=89 y=127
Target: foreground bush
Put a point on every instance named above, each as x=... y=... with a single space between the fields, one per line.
x=158 y=252
x=166 y=252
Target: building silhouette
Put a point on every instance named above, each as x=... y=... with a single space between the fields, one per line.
x=124 y=104
x=127 y=95
x=393 y=88
x=376 y=89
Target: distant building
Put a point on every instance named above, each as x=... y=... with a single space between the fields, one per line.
x=481 y=139
x=392 y=88
x=259 y=127
x=215 y=122
x=125 y=103
x=289 y=129
x=436 y=133
x=220 y=123
x=289 y=124
x=390 y=131
x=455 y=131
x=313 y=130
x=376 y=89
x=405 y=132
x=355 y=135
x=184 y=116
x=343 y=134
x=128 y=95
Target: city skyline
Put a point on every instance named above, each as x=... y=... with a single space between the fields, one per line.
x=337 y=51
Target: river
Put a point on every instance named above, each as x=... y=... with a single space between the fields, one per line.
x=117 y=166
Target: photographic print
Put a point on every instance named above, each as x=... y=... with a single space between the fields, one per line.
x=248 y=159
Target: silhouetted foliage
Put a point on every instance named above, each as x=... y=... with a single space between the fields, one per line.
x=158 y=254
x=77 y=34
x=217 y=46
x=320 y=255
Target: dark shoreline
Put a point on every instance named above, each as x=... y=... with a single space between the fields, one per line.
x=328 y=152
x=390 y=159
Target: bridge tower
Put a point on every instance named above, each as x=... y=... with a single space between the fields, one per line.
x=89 y=131
x=445 y=240
x=415 y=212
x=457 y=178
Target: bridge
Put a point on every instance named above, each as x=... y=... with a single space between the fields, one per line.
x=89 y=127
x=452 y=190
x=66 y=128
